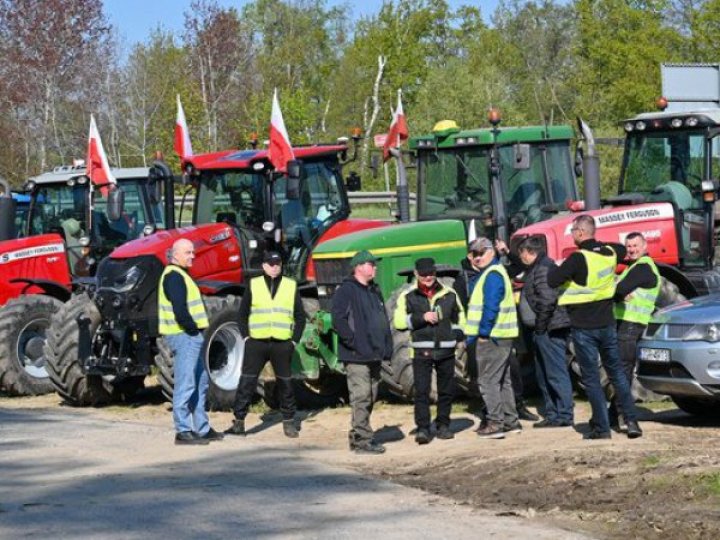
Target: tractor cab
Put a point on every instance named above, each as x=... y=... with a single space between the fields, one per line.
x=267 y=210
x=65 y=203
x=503 y=178
x=674 y=157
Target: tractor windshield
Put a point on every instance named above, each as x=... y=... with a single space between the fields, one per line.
x=545 y=178
x=655 y=161
x=454 y=183
x=237 y=197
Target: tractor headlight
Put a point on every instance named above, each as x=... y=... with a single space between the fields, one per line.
x=128 y=281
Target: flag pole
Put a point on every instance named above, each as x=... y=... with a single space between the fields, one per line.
x=397 y=145
x=387 y=187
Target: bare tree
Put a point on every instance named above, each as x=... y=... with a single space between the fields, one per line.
x=369 y=118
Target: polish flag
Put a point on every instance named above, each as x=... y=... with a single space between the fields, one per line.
x=97 y=168
x=183 y=148
x=398 y=130
x=279 y=151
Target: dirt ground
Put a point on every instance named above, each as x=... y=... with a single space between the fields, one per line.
x=664 y=485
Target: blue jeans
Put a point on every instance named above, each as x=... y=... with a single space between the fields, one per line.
x=191 y=384
x=588 y=344
x=552 y=375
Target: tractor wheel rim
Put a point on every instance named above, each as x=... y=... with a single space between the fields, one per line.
x=29 y=348
x=224 y=356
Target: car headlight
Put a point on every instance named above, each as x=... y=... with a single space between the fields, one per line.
x=128 y=281
x=703 y=332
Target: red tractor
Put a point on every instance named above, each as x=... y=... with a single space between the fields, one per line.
x=104 y=341
x=69 y=225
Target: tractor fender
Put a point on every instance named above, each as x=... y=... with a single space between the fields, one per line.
x=51 y=288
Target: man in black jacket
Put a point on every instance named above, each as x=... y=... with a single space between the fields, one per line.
x=360 y=320
x=434 y=316
x=587 y=277
x=551 y=330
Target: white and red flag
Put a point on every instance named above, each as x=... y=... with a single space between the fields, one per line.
x=183 y=148
x=97 y=168
x=398 y=131
x=279 y=151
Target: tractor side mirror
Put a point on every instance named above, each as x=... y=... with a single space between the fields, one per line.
x=115 y=204
x=375 y=165
x=578 y=165
x=293 y=181
x=158 y=173
x=353 y=182
x=521 y=157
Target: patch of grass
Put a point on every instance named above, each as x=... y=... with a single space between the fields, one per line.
x=657 y=406
x=260 y=407
x=710 y=483
x=651 y=461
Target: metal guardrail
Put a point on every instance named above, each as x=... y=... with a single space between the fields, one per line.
x=356 y=197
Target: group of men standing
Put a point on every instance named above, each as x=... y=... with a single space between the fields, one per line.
x=579 y=300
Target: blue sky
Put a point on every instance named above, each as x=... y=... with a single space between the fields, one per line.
x=134 y=19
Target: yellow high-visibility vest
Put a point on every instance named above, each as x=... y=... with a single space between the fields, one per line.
x=640 y=307
x=272 y=317
x=506 y=325
x=600 y=281
x=167 y=325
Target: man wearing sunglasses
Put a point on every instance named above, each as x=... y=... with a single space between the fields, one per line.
x=435 y=317
x=492 y=321
x=273 y=319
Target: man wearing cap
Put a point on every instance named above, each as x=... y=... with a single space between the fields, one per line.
x=434 y=316
x=273 y=319
x=365 y=340
x=587 y=282
x=635 y=296
x=181 y=320
x=492 y=322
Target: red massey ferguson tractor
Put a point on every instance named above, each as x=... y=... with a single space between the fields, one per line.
x=104 y=341
x=67 y=227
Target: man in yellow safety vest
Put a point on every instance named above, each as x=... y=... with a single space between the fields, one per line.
x=587 y=285
x=181 y=320
x=491 y=327
x=273 y=319
x=637 y=291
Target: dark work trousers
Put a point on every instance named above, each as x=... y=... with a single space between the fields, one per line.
x=628 y=336
x=422 y=375
x=259 y=352
x=362 y=381
x=493 y=366
x=552 y=375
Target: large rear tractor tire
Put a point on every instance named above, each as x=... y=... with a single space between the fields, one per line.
x=61 y=351
x=24 y=323
x=223 y=352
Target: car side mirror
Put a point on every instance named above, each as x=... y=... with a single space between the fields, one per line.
x=115 y=204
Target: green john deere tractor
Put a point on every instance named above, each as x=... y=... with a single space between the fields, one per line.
x=493 y=180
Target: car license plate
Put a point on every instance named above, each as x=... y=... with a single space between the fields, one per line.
x=654 y=355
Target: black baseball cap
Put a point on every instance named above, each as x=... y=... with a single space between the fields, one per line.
x=425 y=266
x=272 y=257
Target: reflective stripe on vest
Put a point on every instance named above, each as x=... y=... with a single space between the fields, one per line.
x=600 y=281
x=640 y=307
x=167 y=325
x=506 y=325
x=272 y=317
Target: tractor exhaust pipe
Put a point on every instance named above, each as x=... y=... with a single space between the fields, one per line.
x=590 y=169
x=403 y=191
x=8 y=208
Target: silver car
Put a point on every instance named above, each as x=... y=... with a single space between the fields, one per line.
x=679 y=355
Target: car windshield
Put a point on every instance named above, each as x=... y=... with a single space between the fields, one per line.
x=233 y=196
x=455 y=183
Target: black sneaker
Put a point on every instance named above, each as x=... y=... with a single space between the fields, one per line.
x=189 y=437
x=514 y=428
x=633 y=430
x=213 y=435
x=595 y=435
x=545 y=423
x=369 y=448
x=237 y=428
x=524 y=413
x=444 y=432
x=422 y=436
x=290 y=429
